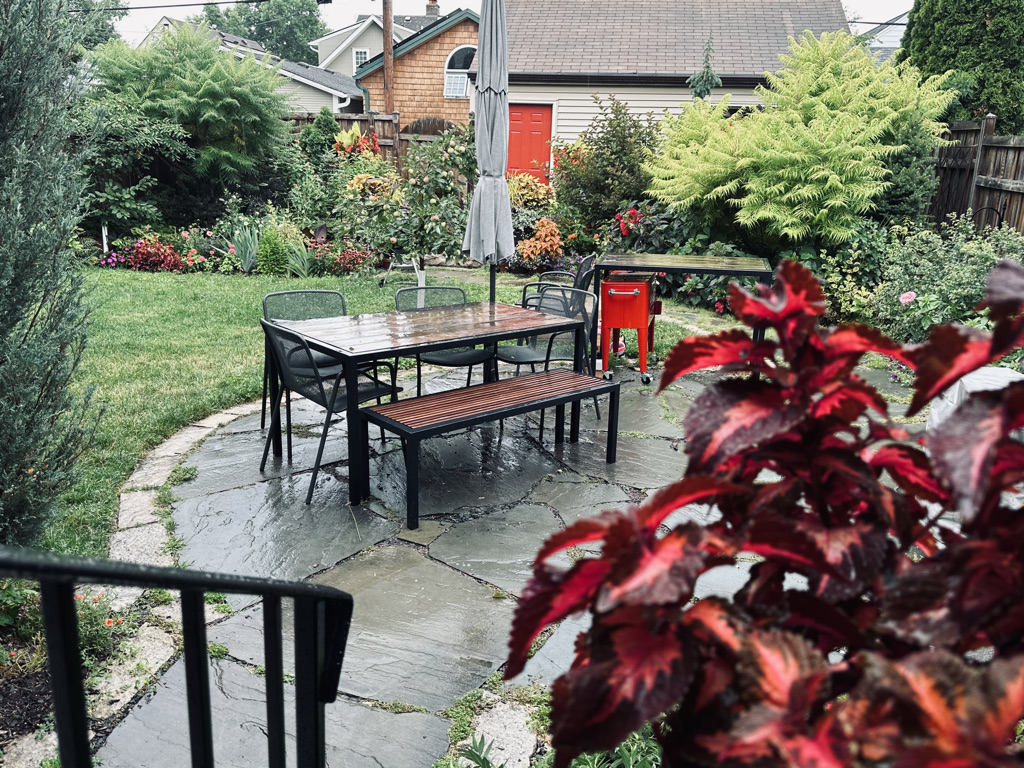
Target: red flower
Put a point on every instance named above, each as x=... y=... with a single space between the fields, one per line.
x=719 y=307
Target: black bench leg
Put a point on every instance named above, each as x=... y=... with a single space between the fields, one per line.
x=360 y=471
x=412 y=484
x=613 y=426
x=559 y=424
x=574 y=421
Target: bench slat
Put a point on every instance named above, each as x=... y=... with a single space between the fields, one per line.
x=471 y=402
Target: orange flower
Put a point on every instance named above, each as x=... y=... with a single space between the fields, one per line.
x=108 y=623
x=30 y=470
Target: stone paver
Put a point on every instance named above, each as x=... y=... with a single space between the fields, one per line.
x=556 y=655
x=29 y=752
x=577 y=500
x=155 y=733
x=267 y=529
x=144 y=545
x=427 y=531
x=137 y=508
x=642 y=462
x=499 y=548
x=180 y=443
x=152 y=472
x=505 y=727
x=644 y=413
x=143 y=655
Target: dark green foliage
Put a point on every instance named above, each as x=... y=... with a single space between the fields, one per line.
x=272 y=256
x=229 y=112
x=605 y=166
x=985 y=40
x=317 y=142
x=707 y=79
x=42 y=316
x=912 y=180
x=97 y=26
x=283 y=27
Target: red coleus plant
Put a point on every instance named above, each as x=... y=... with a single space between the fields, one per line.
x=863 y=665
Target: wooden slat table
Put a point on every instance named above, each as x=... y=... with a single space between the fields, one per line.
x=364 y=338
x=732 y=266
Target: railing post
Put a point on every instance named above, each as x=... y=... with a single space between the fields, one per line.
x=310 y=732
x=65 y=659
x=273 y=664
x=197 y=677
x=987 y=128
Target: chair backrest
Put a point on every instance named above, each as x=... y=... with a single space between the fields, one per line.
x=429 y=296
x=567 y=302
x=303 y=305
x=584 y=279
x=295 y=362
x=557 y=276
x=586 y=265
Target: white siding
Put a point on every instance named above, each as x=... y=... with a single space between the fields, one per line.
x=574 y=108
x=304 y=98
x=372 y=39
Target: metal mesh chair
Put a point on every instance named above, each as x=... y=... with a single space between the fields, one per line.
x=299 y=372
x=581 y=279
x=308 y=305
x=412 y=299
x=547 y=348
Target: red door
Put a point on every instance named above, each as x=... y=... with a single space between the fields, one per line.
x=529 y=139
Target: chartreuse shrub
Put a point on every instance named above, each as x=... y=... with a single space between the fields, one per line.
x=932 y=277
x=809 y=165
x=43 y=318
x=863 y=662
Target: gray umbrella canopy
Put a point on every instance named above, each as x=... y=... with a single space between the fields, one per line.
x=489 y=229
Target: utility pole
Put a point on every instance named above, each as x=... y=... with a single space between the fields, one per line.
x=389 y=58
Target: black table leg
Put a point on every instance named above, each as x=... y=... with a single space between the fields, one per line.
x=358 y=485
x=274 y=382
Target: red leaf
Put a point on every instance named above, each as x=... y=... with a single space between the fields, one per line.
x=796 y=293
x=664 y=573
x=595 y=706
x=911 y=471
x=857 y=338
x=849 y=401
x=1005 y=294
x=713 y=619
x=550 y=596
x=771 y=663
x=735 y=414
x=694 y=353
x=581 y=532
x=950 y=352
x=689 y=490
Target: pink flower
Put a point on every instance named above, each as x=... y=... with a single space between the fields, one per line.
x=184 y=235
x=907 y=298
x=719 y=307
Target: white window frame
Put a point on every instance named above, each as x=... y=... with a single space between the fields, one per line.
x=355 y=59
x=456 y=81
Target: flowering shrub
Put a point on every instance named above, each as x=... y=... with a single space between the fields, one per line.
x=628 y=222
x=865 y=664
x=524 y=191
x=350 y=260
x=544 y=249
x=149 y=254
x=352 y=143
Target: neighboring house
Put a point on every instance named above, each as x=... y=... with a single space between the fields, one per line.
x=350 y=47
x=309 y=88
x=562 y=53
x=431 y=68
x=885 y=38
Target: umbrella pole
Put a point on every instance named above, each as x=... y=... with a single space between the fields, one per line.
x=494 y=270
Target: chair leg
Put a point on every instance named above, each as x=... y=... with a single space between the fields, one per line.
x=266 y=381
x=288 y=413
x=469 y=376
x=275 y=424
x=319 y=455
x=419 y=373
x=613 y=426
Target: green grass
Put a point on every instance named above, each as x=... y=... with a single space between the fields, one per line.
x=166 y=350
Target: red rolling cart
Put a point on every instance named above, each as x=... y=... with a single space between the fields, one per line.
x=627 y=301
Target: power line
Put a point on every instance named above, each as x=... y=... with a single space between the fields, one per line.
x=882 y=23
x=172 y=5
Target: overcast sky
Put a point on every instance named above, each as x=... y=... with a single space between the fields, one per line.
x=343 y=12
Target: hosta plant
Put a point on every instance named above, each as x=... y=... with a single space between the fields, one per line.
x=867 y=661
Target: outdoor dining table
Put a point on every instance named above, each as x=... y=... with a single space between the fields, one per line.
x=356 y=339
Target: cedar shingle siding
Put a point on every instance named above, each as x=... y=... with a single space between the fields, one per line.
x=419 y=78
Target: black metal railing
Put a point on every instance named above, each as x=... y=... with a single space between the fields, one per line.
x=322 y=618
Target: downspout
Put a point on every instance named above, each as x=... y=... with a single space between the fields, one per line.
x=366 y=98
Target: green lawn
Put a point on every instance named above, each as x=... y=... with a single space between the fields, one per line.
x=165 y=350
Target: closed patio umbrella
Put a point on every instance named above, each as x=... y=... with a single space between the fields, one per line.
x=489 y=229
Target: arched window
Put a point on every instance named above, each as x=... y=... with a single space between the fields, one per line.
x=456 y=82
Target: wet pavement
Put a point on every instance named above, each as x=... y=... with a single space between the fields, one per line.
x=433 y=607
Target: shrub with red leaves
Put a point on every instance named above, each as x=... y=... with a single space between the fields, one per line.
x=864 y=666
x=350 y=260
x=152 y=255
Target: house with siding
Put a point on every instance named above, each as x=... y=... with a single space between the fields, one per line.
x=348 y=48
x=562 y=54
x=431 y=71
x=309 y=88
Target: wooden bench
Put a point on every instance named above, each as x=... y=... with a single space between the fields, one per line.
x=418 y=418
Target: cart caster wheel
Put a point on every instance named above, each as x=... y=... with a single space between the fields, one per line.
x=381 y=282
x=645 y=378
x=608 y=375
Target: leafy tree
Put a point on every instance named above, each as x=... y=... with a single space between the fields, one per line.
x=859 y=662
x=97 y=26
x=229 y=111
x=605 y=167
x=704 y=81
x=810 y=164
x=317 y=141
x=283 y=27
x=984 y=40
x=42 y=316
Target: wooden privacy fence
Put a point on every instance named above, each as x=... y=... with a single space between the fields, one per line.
x=393 y=142
x=983 y=172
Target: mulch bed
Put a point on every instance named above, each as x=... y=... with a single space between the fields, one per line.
x=25 y=703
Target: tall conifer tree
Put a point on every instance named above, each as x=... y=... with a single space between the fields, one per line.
x=42 y=315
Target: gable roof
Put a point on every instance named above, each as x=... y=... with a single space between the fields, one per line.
x=333 y=82
x=886 y=38
x=443 y=24
x=595 y=40
x=354 y=32
x=412 y=23
x=224 y=39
